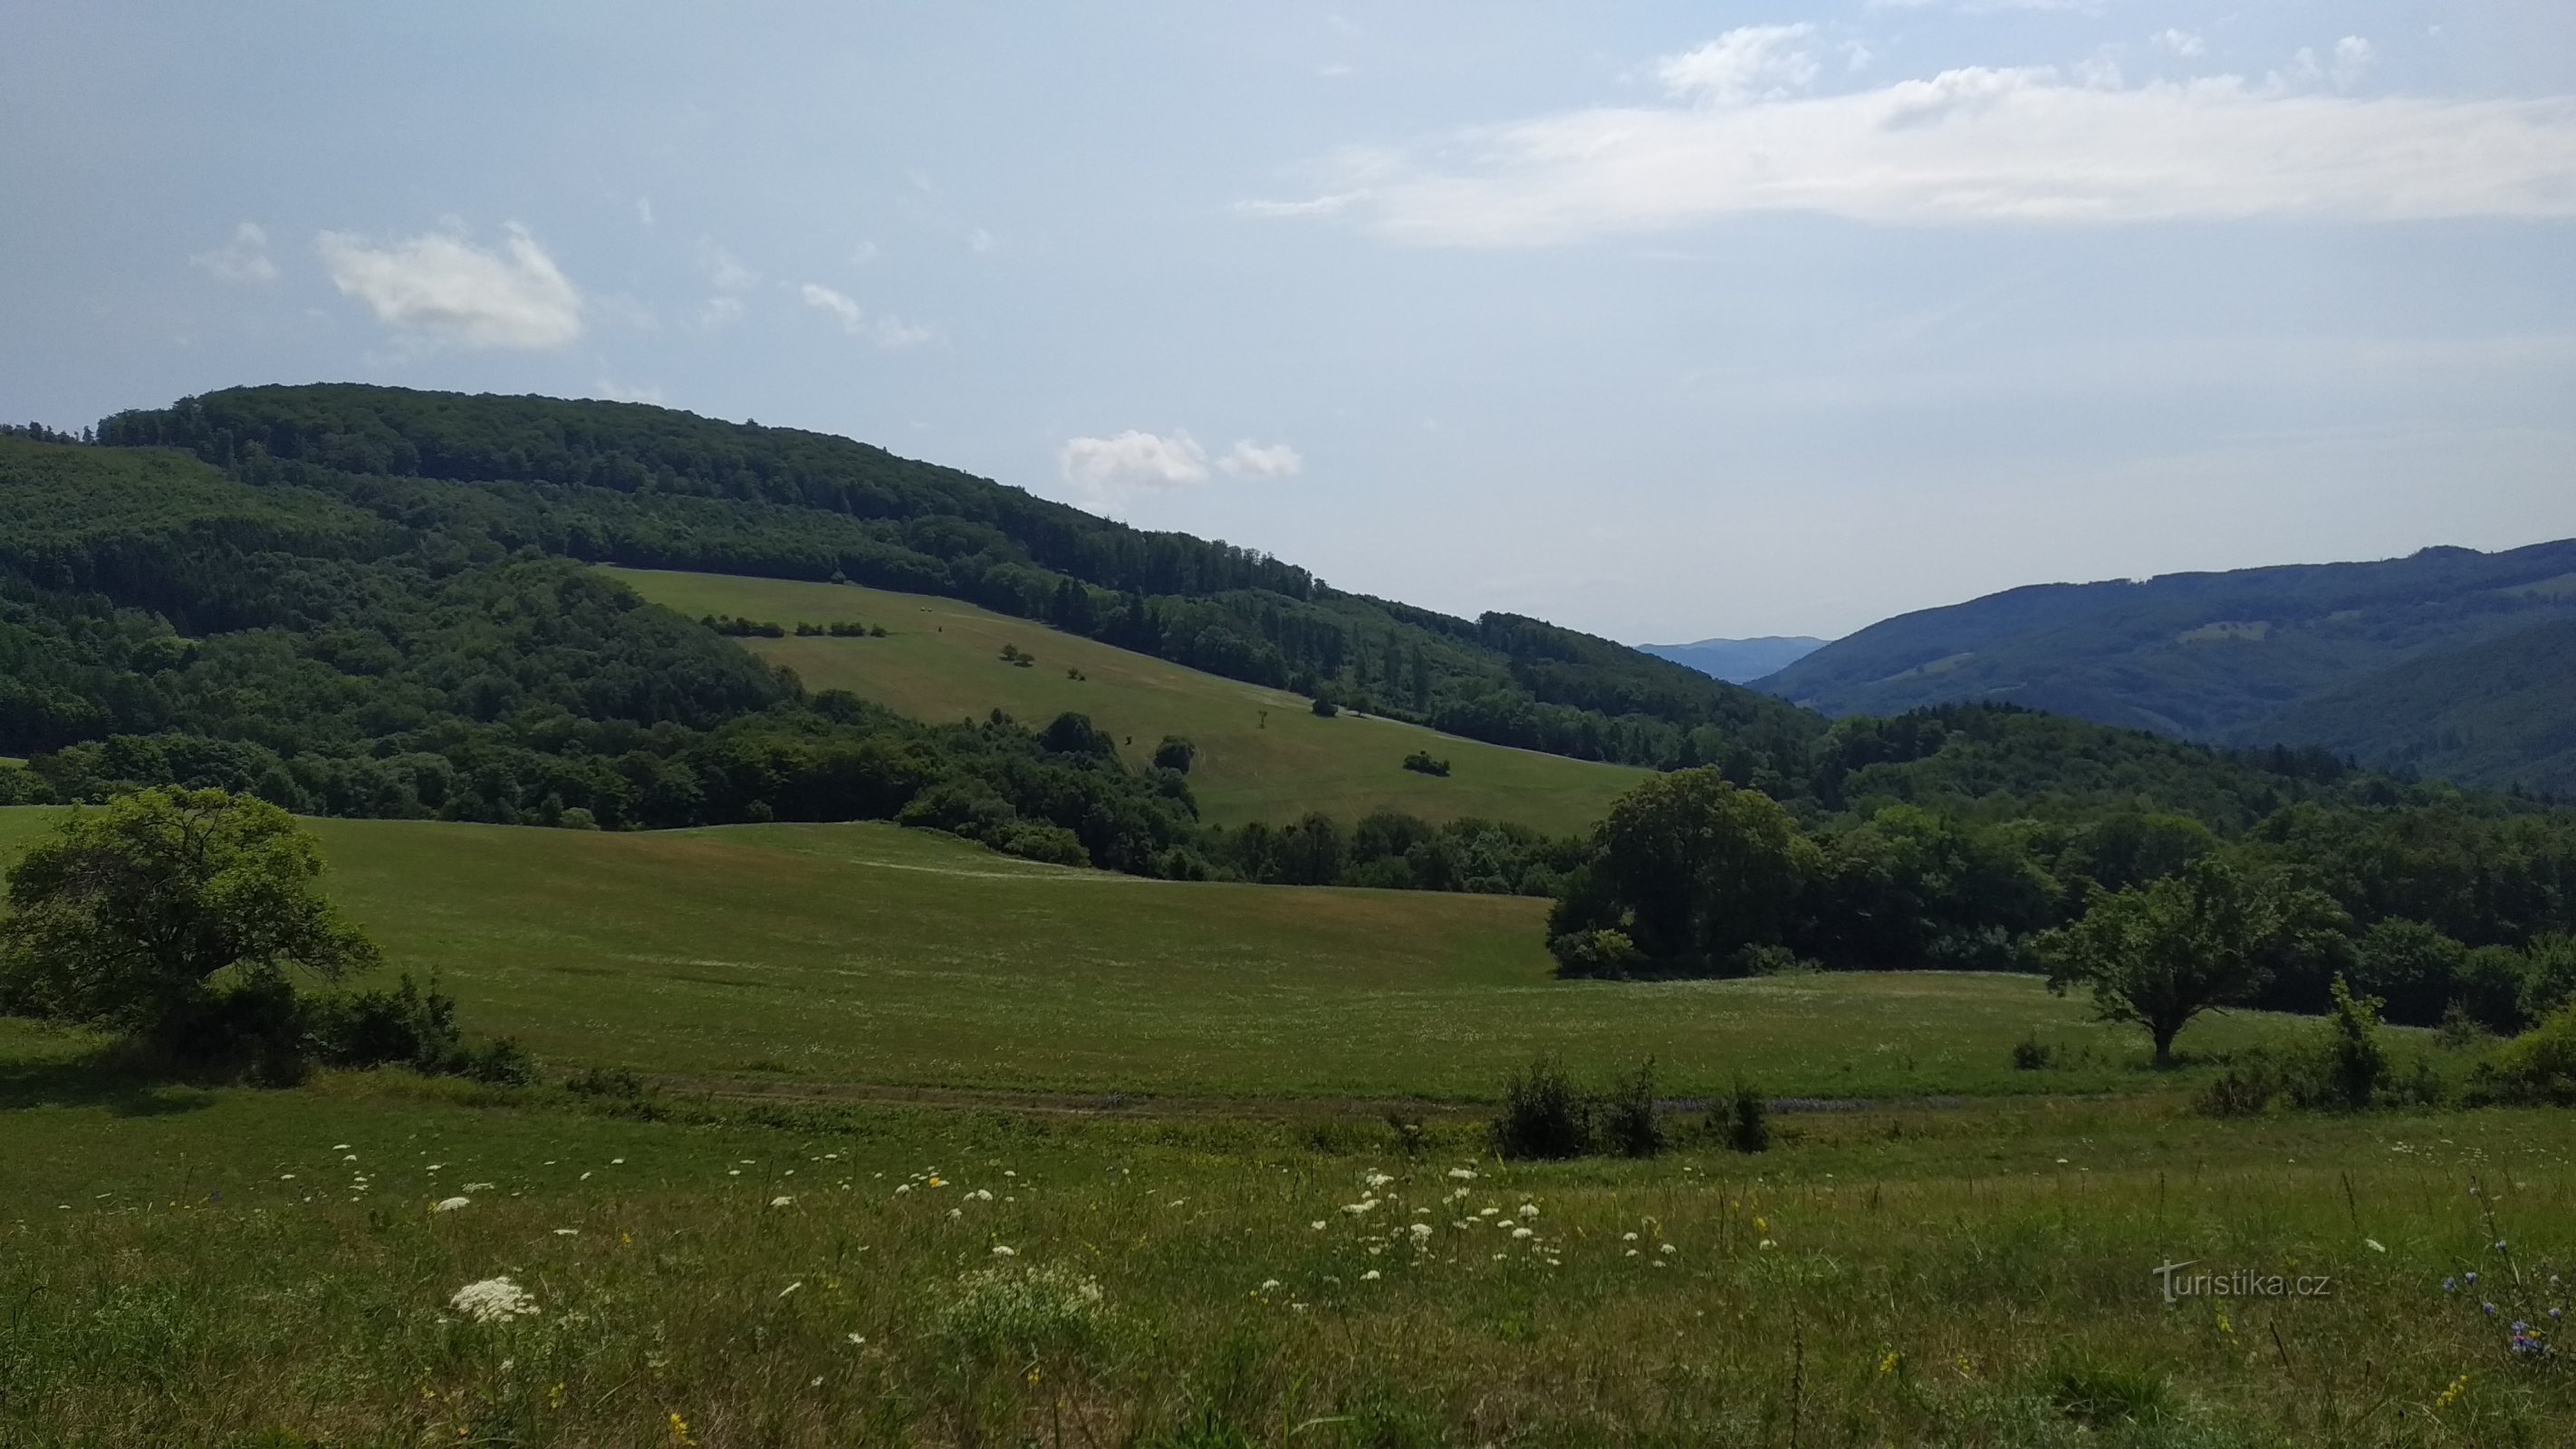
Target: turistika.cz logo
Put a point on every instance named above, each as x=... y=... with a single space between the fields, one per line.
x=2179 y=1284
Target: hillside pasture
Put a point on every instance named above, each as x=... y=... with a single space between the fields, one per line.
x=1262 y=753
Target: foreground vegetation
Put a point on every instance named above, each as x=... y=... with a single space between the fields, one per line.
x=197 y=1267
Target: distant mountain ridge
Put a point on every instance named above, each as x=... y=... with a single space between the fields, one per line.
x=2337 y=654
x=1737 y=661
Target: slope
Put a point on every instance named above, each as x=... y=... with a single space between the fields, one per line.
x=873 y=955
x=2500 y=714
x=1262 y=754
x=2210 y=657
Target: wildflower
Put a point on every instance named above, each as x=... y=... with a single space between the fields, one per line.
x=2450 y=1285
x=902 y=1188
x=1529 y=1210
x=680 y=1432
x=1629 y=1254
x=1269 y=1285
x=2374 y=1245
x=2469 y=1277
x=2490 y=1309
x=1003 y=1250
x=1668 y=1248
x=567 y=1232
x=450 y=1204
x=1760 y=1226
x=955 y=1213
x=1317 y=1225
x=1887 y=1365
x=493 y=1300
x=476 y=1187
x=1376 y=1180
x=2526 y=1341
x=981 y=1194
x=1766 y=1243
x=782 y=1200
x=1520 y=1233
x=1371 y=1276
x=1627 y=1237
x=617 y=1162
x=857 y=1339
x=2499 y=1245
x=2452 y=1394
x=1364 y=1205
x=1488 y=1210
x=1462 y=1174
x=1421 y=1233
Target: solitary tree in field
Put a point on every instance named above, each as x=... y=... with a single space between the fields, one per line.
x=2162 y=953
x=1699 y=868
x=127 y=914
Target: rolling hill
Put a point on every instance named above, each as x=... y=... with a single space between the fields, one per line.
x=1262 y=754
x=2500 y=714
x=1737 y=661
x=863 y=954
x=2221 y=658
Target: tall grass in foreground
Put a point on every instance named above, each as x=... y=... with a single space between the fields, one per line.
x=813 y=1288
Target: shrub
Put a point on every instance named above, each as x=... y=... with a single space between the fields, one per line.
x=1421 y=763
x=1595 y=953
x=2548 y=976
x=2490 y=988
x=1748 y=1120
x=1544 y=1114
x=403 y=1026
x=2243 y=1089
x=2537 y=1066
x=1628 y=1124
x=2354 y=1064
x=577 y=818
x=1175 y=754
x=2030 y=1054
x=1325 y=708
x=1766 y=958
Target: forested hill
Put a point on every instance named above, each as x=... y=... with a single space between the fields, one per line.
x=2224 y=658
x=652 y=487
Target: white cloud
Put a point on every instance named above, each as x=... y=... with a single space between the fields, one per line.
x=1752 y=61
x=620 y=392
x=243 y=259
x=447 y=289
x=890 y=333
x=1978 y=144
x=2352 y=57
x=727 y=274
x=1248 y=459
x=2182 y=43
x=719 y=313
x=1110 y=470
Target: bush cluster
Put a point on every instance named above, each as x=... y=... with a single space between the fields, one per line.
x=1546 y=1115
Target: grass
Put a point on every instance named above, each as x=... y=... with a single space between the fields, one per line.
x=1263 y=753
x=782 y=1255
x=870 y=955
x=199 y=1267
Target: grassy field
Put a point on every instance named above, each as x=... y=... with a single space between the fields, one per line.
x=867 y=954
x=192 y=1268
x=1263 y=754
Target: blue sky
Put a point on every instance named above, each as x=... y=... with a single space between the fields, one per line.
x=1664 y=321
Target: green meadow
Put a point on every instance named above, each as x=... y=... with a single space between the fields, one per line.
x=1263 y=753
x=869 y=955
x=935 y=1146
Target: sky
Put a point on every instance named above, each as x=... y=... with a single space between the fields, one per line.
x=1661 y=321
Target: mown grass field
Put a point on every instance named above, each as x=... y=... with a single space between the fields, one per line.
x=1263 y=754
x=871 y=955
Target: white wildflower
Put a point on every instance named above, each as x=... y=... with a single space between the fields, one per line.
x=782 y=1200
x=858 y=1338
x=1462 y=1174
x=1488 y=1210
x=1317 y=1225
x=1668 y=1248
x=1529 y=1210
x=1421 y=1233
x=1519 y=1233
x=981 y=1194
x=450 y=1204
x=1268 y=1284
x=902 y=1188
x=2375 y=1245
x=1627 y=1237
x=567 y=1232
x=956 y=1213
x=493 y=1300
x=476 y=1187
x=1364 y=1205
x=1376 y=1180
x=1004 y=1251
x=1371 y=1276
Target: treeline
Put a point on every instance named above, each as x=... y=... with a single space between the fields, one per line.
x=2445 y=902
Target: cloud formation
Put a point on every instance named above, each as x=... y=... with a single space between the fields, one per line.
x=1248 y=459
x=243 y=259
x=1109 y=470
x=890 y=333
x=446 y=289
x=1974 y=145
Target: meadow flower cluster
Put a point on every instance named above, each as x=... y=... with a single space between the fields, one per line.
x=493 y=1300
x=1021 y=1308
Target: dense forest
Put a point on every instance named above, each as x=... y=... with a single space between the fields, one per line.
x=650 y=487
